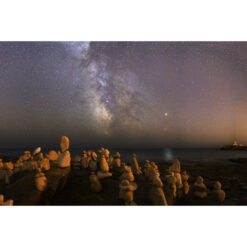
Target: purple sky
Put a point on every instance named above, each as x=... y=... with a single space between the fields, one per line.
x=120 y=94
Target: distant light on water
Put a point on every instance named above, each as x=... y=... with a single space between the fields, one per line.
x=168 y=155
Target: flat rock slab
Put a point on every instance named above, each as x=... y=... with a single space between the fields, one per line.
x=57 y=179
x=23 y=191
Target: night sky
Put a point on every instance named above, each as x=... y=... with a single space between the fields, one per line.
x=123 y=94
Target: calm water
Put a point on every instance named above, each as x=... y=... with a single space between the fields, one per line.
x=157 y=155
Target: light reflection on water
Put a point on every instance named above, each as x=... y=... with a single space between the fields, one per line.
x=168 y=154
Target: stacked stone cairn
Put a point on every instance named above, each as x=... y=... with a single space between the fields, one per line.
x=126 y=192
x=135 y=166
x=64 y=159
x=93 y=162
x=52 y=156
x=218 y=194
x=107 y=157
x=103 y=171
x=200 y=189
x=116 y=163
x=84 y=160
x=25 y=162
x=6 y=171
x=156 y=193
x=146 y=168
x=186 y=186
x=89 y=156
x=43 y=162
x=127 y=173
x=127 y=185
x=40 y=180
x=76 y=161
x=176 y=169
x=171 y=188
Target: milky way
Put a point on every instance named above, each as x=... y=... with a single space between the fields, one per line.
x=123 y=94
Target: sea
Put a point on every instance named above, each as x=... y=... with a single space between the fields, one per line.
x=159 y=155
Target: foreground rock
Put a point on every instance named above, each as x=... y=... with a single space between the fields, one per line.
x=232 y=177
x=95 y=183
x=33 y=190
x=27 y=187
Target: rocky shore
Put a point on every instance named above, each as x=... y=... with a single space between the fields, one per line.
x=75 y=190
x=101 y=179
x=233 y=178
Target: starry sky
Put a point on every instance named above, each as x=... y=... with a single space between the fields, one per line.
x=123 y=94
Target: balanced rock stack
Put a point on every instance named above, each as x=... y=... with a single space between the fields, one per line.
x=101 y=152
x=89 y=154
x=135 y=166
x=107 y=156
x=24 y=161
x=84 y=159
x=127 y=174
x=9 y=165
x=126 y=191
x=200 y=189
x=40 y=181
x=116 y=160
x=40 y=161
x=93 y=162
x=52 y=155
x=218 y=194
x=115 y=164
x=156 y=192
x=64 y=158
x=44 y=164
x=154 y=166
x=76 y=161
x=171 y=188
x=176 y=169
x=26 y=156
x=147 y=167
x=186 y=186
x=104 y=168
x=6 y=171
